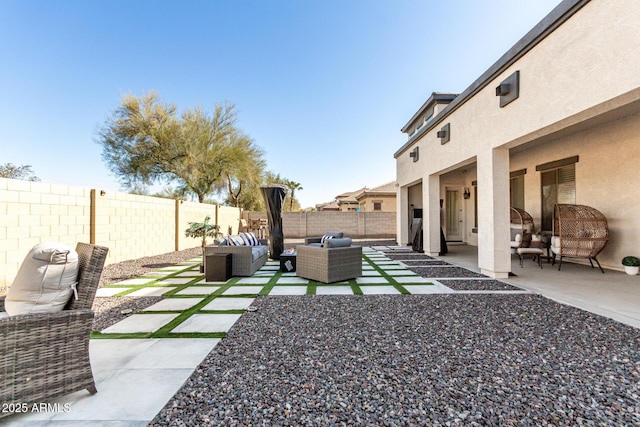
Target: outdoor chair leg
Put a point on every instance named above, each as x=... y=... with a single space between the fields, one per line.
x=560 y=264
x=591 y=262
x=598 y=262
x=521 y=258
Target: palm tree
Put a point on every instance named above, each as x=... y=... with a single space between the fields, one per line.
x=293 y=186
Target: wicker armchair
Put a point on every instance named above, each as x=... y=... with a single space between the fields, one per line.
x=578 y=232
x=46 y=355
x=522 y=225
x=328 y=265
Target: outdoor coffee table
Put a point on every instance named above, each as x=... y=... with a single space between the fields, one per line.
x=288 y=261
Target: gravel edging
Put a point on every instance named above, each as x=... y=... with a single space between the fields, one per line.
x=415 y=360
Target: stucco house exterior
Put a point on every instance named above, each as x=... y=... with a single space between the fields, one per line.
x=555 y=120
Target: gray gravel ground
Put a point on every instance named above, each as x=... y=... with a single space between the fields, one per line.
x=478 y=285
x=445 y=272
x=415 y=360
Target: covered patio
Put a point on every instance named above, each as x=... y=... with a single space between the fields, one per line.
x=614 y=294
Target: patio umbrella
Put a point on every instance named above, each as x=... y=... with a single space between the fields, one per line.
x=274 y=201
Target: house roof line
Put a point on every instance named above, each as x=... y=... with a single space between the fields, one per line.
x=559 y=15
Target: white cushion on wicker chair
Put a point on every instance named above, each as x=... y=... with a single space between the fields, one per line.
x=45 y=281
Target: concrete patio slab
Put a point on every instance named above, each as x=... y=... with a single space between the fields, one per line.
x=436 y=288
x=140 y=323
x=207 y=323
x=288 y=290
x=370 y=280
x=175 y=281
x=292 y=281
x=242 y=290
x=412 y=279
x=151 y=291
x=378 y=290
x=334 y=290
x=136 y=281
x=221 y=303
x=253 y=280
x=174 y=304
x=198 y=290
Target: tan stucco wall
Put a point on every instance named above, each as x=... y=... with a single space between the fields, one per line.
x=590 y=59
x=584 y=73
x=607 y=176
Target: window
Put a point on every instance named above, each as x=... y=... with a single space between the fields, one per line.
x=377 y=206
x=516 y=192
x=558 y=186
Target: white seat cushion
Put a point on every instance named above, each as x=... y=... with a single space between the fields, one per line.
x=45 y=281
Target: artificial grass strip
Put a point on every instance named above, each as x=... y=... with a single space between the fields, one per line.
x=100 y=335
x=196 y=335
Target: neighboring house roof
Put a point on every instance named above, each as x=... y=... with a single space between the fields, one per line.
x=388 y=189
x=333 y=206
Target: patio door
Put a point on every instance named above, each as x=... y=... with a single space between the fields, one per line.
x=453 y=215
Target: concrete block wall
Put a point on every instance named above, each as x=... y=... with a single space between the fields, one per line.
x=358 y=225
x=131 y=226
x=35 y=212
x=192 y=212
x=228 y=217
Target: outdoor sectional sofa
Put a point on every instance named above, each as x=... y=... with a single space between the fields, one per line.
x=246 y=260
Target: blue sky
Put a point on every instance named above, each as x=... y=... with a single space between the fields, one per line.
x=323 y=87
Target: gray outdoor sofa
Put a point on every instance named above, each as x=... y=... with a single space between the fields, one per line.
x=335 y=261
x=246 y=260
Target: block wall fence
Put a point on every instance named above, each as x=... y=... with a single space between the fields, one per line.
x=357 y=225
x=131 y=226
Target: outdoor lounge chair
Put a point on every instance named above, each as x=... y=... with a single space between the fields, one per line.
x=46 y=355
x=521 y=228
x=578 y=232
x=329 y=264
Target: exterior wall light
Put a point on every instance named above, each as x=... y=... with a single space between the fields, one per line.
x=415 y=154
x=509 y=89
x=503 y=89
x=467 y=193
x=444 y=134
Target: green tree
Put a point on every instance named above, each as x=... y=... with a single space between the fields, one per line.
x=247 y=173
x=293 y=186
x=145 y=141
x=24 y=172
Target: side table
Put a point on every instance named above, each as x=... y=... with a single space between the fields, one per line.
x=288 y=261
x=218 y=267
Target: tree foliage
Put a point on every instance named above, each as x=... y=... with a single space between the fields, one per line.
x=145 y=142
x=24 y=172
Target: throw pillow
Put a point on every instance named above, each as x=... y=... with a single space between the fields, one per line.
x=253 y=238
x=338 y=242
x=326 y=237
x=45 y=281
x=245 y=239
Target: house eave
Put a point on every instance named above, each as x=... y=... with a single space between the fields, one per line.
x=560 y=14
